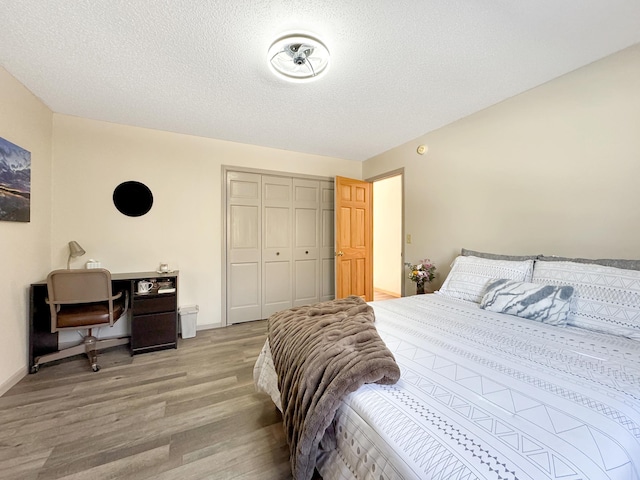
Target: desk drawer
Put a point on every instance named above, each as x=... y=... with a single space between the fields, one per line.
x=154 y=304
x=154 y=331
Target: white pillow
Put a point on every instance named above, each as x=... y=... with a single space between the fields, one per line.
x=605 y=299
x=469 y=276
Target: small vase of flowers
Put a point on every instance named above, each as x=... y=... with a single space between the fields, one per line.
x=422 y=272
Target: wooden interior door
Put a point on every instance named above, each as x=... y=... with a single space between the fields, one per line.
x=354 y=238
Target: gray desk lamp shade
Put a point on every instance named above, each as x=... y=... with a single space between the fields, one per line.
x=75 y=250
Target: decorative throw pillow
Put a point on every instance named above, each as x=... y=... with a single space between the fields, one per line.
x=606 y=299
x=469 y=276
x=542 y=303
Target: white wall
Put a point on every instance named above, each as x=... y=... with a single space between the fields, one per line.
x=554 y=170
x=387 y=235
x=184 y=226
x=24 y=247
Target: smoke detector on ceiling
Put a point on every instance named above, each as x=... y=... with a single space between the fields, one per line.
x=298 y=57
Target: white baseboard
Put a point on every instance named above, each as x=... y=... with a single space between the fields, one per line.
x=12 y=380
x=208 y=326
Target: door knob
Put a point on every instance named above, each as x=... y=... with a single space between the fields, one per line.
x=306 y=252
x=277 y=253
x=340 y=253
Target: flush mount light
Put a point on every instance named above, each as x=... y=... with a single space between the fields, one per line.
x=298 y=57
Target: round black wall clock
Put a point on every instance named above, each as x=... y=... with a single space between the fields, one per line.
x=132 y=198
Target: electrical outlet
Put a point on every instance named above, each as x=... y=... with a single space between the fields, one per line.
x=408 y=238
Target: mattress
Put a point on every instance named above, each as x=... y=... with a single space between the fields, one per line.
x=486 y=396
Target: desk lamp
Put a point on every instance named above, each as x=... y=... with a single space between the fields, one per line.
x=75 y=250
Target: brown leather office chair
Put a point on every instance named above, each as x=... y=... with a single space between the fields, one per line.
x=82 y=299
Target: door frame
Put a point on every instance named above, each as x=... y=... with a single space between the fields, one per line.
x=223 y=206
x=382 y=176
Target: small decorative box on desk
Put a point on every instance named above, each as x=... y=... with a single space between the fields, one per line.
x=154 y=314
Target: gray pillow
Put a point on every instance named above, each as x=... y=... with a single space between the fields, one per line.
x=493 y=256
x=607 y=262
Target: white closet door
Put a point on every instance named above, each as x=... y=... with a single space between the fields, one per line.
x=327 y=243
x=306 y=241
x=276 y=244
x=244 y=267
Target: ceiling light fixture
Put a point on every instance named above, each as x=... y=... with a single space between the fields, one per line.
x=298 y=57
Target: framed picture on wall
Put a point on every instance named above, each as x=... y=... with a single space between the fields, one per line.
x=15 y=182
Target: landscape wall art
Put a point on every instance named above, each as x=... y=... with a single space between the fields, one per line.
x=15 y=182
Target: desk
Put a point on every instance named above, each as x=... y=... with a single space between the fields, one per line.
x=154 y=316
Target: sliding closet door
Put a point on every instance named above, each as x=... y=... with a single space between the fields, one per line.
x=244 y=247
x=327 y=243
x=280 y=243
x=306 y=241
x=276 y=244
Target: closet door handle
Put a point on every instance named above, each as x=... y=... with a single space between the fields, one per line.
x=307 y=252
x=277 y=253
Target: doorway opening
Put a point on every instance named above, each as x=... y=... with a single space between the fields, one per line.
x=388 y=234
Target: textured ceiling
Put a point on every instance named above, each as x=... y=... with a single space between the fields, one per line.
x=399 y=68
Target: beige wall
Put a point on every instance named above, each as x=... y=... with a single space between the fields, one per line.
x=554 y=170
x=24 y=247
x=387 y=235
x=184 y=174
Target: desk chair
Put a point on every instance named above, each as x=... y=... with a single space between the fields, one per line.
x=82 y=299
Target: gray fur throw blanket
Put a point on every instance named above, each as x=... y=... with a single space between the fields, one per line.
x=321 y=353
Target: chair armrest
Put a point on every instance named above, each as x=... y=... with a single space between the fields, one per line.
x=126 y=301
x=46 y=300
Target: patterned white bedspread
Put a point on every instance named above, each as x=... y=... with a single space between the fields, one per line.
x=490 y=396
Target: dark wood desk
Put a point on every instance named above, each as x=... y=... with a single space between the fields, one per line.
x=154 y=316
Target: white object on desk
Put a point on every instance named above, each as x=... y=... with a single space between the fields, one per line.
x=144 y=286
x=91 y=263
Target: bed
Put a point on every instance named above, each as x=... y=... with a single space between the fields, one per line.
x=490 y=395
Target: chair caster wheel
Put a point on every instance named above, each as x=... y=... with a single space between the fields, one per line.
x=35 y=368
x=95 y=367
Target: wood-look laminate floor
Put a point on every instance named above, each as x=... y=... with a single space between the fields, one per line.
x=383 y=295
x=185 y=414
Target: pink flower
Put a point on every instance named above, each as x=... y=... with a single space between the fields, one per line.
x=423 y=272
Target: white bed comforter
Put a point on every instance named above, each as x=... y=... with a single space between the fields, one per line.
x=487 y=396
